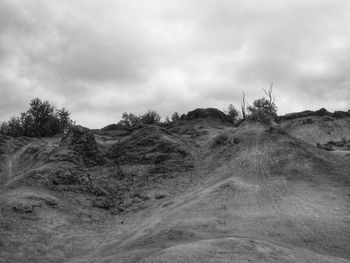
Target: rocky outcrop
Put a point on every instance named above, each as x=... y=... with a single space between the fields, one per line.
x=82 y=141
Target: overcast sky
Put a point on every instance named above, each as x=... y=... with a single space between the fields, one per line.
x=102 y=58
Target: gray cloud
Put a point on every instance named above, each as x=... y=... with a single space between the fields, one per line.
x=99 y=59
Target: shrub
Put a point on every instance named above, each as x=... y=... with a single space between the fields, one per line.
x=150 y=117
x=167 y=120
x=232 y=113
x=132 y=120
x=175 y=117
x=12 y=128
x=41 y=119
x=129 y=120
x=64 y=119
x=263 y=111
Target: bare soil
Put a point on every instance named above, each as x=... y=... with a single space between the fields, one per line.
x=196 y=191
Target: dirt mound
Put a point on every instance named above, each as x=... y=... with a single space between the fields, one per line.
x=196 y=190
x=82 y=141
x=193 y=131
x=309 y=113
x=55 y=178
x=262 y=193
x=113 y=127
x=318 y=129
x=206 y=113
x=54 y=170
x=152 y=146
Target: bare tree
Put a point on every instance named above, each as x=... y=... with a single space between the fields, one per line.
x=243 y=106
x=269 y=94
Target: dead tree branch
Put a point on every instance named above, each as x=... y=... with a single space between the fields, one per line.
x=243 y=105
x=269 y=94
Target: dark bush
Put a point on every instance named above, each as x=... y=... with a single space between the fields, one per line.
x=12 y=128
x=263 y=111
x=232 y=113
x=150 y=117
x=175 y=117
x=132 y=120
x=40 y=120
x=129 y=120
x=259 y=115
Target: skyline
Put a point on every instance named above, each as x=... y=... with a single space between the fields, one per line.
x=99 y=60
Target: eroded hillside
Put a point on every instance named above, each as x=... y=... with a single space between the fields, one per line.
x=198 y=190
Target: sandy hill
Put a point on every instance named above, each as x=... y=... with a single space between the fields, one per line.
x=198 y=190
x=317 y=127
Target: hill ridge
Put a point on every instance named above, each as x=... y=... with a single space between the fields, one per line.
x=179 y=193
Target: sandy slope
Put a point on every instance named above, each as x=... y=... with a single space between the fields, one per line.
x=253 y=197
x=318 y=129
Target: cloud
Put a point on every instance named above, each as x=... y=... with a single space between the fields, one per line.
x=99 y=59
